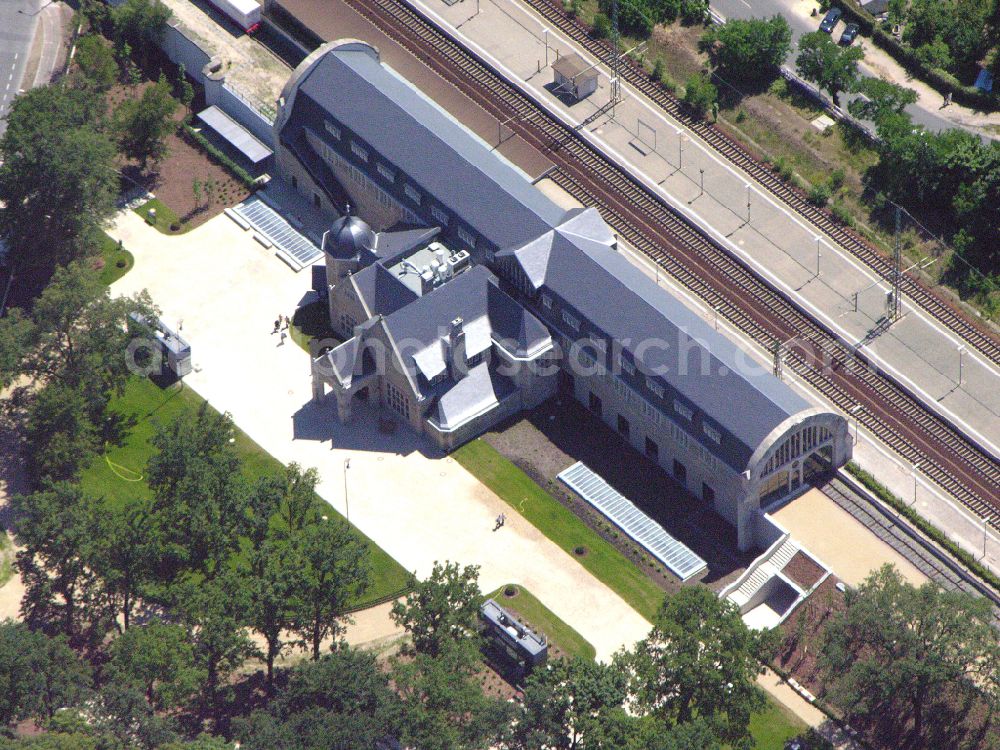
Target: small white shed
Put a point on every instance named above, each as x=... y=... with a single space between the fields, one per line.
x=575 y=76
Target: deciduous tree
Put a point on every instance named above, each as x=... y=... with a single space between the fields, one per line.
x=157 y=658
x=442 y=611
x=751 y=48
x=827 y=64
x=143 y=124
x=904 y=653
x=881 y=98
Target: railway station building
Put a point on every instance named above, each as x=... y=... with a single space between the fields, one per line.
x=464 y=295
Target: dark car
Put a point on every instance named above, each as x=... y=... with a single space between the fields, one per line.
x=850 y=34
x=830 y=20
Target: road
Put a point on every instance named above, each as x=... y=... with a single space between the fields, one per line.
x=796 y=13
x=18 y=21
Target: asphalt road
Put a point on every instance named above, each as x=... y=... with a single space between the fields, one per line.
x=18 y=21
x=803 y=25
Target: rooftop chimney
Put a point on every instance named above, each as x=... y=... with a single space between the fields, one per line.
x=457 y=364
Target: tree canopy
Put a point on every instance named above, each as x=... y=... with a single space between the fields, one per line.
x=442 y=610
x=899 y=654
x=829 y=65
x=142 y=125
x=750 y=48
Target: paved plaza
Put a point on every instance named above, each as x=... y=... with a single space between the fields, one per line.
x=419 y=507
x=793 y=255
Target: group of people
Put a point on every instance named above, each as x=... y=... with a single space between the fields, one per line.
x=281 y=325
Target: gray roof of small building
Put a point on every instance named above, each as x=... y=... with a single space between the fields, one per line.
x=235 y=134
x=431 y=148
x=380 y=291
x=572 y=65
x=479 y=391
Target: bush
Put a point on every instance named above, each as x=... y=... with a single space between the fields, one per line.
x=657 y=74
x=836 y=179
x=819 y=195
x=700 y=94
x=841 y=214
x=220 y=158
x=602 y=26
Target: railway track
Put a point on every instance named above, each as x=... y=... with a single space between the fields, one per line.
x=683 y=251
x=907 y=541
x=946 y=313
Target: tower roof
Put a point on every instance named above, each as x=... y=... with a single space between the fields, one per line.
x=348 y=237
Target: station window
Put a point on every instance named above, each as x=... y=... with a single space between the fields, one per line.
x=655 y=387
x=397 y=401
x=386 y=171
x=440 y=215
x=595 y=404
x=652 y=450
x=412 y=193
x=467 y=237
x=360 y=151
x=684 y=411
x=713 y=434
x=546 y=302
x=570 y=320
x=626 y=365
x=332 y=129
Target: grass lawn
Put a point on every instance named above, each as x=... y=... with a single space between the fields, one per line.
x=542 y=619
x=117 y=475
x=165 y=216
x=117 y=260
x=774 y=726
x=561 y=525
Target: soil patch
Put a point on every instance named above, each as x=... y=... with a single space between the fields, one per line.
x=561 y=432
x=803 y=570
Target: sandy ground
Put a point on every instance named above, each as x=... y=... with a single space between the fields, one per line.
x=843 y=544
x=418 y=506
x=783 y=693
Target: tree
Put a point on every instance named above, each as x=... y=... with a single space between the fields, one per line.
x=37 y=674
x=827 y=64
x=56 y=526
x=602 y=26
x=898 y=653
x=142 y=125
x=215 y=613
x=140 y=22
x=273 y=569
x=121 y=711
x=96 y=62
x=123 y=555
x=700 y=94
x=16 y=333
x=57 y=179
x=442 y=611
x=185 y=91
x=570 y=705
x=444 y=707
x=342 y=700
x=699 y=660
x=750 y=48
x=199 y=495
x=881 y=98
x=333 y=571
x=158 y=659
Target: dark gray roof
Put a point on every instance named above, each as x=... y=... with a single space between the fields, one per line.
x=380 y=291
x=437 y=153
x=391 y=244
x=349 y=237
x=235 y=134
x=627 y=306
x=514 y=327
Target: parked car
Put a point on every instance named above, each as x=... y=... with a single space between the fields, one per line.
x=830 y=20
x=850 y=34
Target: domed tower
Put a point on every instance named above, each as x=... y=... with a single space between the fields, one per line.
x=348 y=245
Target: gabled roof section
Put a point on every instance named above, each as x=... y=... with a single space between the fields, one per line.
x=669 y=341
x=350 y=84
x=478 y=392
x=514 y=327
x=380 y=291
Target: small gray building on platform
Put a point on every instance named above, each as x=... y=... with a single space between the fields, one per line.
x=574 y=76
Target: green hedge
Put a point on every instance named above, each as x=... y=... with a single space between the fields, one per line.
x=220 y=158
x=884 y=494
x=941 y=80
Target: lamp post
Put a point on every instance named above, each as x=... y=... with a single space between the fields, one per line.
x=701 y=182
x=748 y=202
x=545 y=32
x=915 y=467
x=817 y=238
x=347 y=503
x=961 y=371
x=854 y=418
x=680 y=149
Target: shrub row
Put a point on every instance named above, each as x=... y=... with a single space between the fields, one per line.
x=220 y=158
x=941 y=80
x=884 y=494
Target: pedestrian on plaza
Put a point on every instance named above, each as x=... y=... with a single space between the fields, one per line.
x=499 y=524
x=277 y=325
x=283 y=337
x=503 y=519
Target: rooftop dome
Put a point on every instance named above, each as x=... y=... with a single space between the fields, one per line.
x=347 y=237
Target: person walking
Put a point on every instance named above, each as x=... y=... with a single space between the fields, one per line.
x=277 y=325
x=503 y=519
x=283 y=337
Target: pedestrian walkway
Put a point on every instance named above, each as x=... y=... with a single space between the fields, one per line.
x=777 y=244
x=420 y=507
